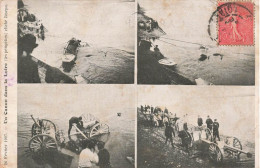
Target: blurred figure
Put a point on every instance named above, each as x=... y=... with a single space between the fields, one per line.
x=75 y=120
x=152 y=109
x=103 y=156
x=215 y=130
x=88 y=156
x=209 y=123
x=168 y=133
x=200 y=121
x=27 y=68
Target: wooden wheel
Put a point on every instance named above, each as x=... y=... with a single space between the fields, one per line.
x=42 y=143
x=215 y=153
x=43 y=127
x=98 y=129
x=237 y=144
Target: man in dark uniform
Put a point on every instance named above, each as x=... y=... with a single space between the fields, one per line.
x=209 y=123
x=75 y=120
x=103 y=156
x=215 y=130
x=200 y=121
x=27 y=68
x=152 y=109
x=168 y=133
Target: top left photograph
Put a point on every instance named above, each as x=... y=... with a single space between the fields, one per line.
x=81 y=42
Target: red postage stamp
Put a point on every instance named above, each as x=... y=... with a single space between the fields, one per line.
x=235 y=23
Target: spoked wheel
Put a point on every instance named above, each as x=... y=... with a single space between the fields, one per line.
x=99 y=129
x=40 y=144
x=215 y=153
x=208 y=134
x=43 y=127
x=237 y=144
x=234 y=142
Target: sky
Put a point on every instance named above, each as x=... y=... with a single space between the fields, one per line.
x=103 y=22
x=66 y=101
x=182 y=19
x=233 y=107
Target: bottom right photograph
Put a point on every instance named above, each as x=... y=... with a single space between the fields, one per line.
x=182 y=126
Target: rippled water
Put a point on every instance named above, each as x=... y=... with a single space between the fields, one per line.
x=236 y=68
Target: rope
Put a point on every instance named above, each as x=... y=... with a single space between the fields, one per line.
x=170 y=43
x=183 y=41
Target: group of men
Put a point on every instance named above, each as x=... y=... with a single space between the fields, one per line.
x=212 y=126
x=182 y=130
x=92 y=153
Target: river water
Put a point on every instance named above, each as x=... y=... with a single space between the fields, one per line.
x=236 y=68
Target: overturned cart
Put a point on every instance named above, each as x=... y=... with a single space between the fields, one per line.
x=47 y=138
x=229 y=147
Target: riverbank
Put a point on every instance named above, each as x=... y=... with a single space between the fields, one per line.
x=153 y=152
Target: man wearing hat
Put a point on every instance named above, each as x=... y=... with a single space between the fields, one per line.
x=27 y=68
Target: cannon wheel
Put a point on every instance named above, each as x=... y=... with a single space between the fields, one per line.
x=237 y=144
x=215 y=153
x=45 y=128
x=98 y=129
x=42 y=143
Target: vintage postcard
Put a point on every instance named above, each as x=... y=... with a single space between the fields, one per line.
x=127 y=57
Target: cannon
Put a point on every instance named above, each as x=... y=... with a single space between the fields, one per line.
x=47 y=138
x=217 y=150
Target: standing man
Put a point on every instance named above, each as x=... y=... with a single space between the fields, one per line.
x=27 y=68
x=215 y=130
x=152 y=109
x=75 y=120
x=103 y=156
x=168 y=133
x=200 y=121
x=209 y=123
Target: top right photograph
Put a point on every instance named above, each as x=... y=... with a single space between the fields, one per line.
x=204 y=42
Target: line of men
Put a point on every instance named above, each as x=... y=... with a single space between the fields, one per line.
x=212 y=126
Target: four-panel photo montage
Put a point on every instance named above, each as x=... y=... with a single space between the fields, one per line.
x=136 y=83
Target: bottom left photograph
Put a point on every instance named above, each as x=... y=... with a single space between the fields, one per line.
x=71 y=127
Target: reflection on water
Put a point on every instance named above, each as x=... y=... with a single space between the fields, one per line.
x=120 y=142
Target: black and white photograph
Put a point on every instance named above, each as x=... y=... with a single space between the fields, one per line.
x=76 y=128
x=179 y=43
x=84 y=42
x=207 y=128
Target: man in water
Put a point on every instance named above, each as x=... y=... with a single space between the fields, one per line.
x=27 y=68
x=168 y=133
x=103 y=156
x=75 y=120
x=215 y=130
